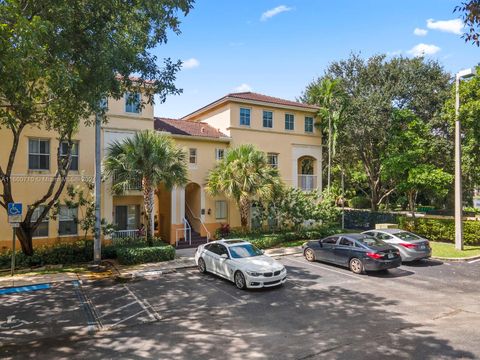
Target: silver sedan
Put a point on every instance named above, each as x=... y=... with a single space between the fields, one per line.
x=411 y=246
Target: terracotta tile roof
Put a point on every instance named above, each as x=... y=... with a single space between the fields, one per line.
x=269 y=99
x=189 y=128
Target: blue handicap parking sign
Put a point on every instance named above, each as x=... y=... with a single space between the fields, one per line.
x=14 y=209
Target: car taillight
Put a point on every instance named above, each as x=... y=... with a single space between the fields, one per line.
x=374 y=255
x=408 y=246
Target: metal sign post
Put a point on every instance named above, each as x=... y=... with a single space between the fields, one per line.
x=14 y=218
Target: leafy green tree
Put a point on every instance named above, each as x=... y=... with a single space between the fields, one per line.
x=470 y=11
x=244 y=175
x=412 y=158
x=59 y=59
x=292 y=207
x=328 y=96
x=469 y=115
x=82 y=198
x=151 y=157
x=374 y=90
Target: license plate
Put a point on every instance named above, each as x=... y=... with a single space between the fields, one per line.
x=391 y=256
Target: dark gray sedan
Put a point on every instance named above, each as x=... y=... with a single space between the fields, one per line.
x=359 y=252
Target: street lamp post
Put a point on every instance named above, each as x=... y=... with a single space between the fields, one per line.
x=458 y=161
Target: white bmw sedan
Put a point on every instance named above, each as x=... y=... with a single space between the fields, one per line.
x=241 y=262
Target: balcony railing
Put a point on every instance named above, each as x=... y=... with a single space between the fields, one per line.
x=307 y=182
x=122 y=234
x=133 y=185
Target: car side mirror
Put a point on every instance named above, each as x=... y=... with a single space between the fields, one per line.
x=320 y=244
x=224 y=256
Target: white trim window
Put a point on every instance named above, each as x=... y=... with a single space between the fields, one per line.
x=74 y=153
x=132 y=102
x=192 y=156
x=67 y=220
x=221 y=210
x=38 y=154
x=219 y=154
x=308 y=124
x=272 y=159
x=267 y=119
x=289 y=122
x=42 y=229
x=244 y=117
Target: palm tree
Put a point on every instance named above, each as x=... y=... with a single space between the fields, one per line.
x=148 y=156
x=328 y=95
x=244 y=175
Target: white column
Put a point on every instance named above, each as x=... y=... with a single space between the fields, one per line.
x=182 y=203
x=174 y=205
x=295 y=172
x=319 y=170
x=202 y=204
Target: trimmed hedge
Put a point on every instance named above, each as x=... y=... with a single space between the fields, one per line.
x=442 y=229
x=69 y=253
x=269 y=240
x=140 y=255
x=82 y=252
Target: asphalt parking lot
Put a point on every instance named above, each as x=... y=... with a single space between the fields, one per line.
x=430 y=310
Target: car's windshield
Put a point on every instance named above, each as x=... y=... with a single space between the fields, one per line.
x=244 y=251
x=370 y=241
x=407 y=236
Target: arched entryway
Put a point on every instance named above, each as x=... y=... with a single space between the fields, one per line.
x=163 y=221
x=307 y=170
x=193 y=205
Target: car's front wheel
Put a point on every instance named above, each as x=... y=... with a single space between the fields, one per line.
x=356 y=266
x=309 y=254
x=240 y=280
x=202 y=267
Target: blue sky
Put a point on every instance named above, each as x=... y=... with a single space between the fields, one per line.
x=277 y=47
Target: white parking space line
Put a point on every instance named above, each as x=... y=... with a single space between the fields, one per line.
x=117 y=309
x=328 y=269
x=213 y=281
x=474 y=261
x=142 y=305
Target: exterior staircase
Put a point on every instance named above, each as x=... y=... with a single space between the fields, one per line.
x=197 y=240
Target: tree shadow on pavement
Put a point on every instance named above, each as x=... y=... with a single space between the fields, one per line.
x=203 y=317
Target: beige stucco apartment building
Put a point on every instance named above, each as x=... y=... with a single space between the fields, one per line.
x=283 y=129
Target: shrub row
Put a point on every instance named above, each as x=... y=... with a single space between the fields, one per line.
x=442 y=229
x=140 y=255
x=69 y=253
x=268 y=240
x=82 y=252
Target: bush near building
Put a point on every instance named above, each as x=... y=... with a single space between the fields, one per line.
x=127 y=251
x=266 y=240
x=442 y=229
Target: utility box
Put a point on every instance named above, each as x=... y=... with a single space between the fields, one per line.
x=385 y=226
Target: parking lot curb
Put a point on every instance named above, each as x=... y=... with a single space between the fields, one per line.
x=284 y=251
x=464 y=259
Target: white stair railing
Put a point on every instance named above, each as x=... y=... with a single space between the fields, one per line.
x=187 y=231
x=196 y=218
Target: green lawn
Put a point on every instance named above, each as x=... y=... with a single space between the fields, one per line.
x=447 y=250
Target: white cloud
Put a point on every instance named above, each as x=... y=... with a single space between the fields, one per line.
x=420 y=32
x=424 y=49
x=394 y=53
x=454 y=26
x=190 y=63
x=243 y=88
x=275 y=11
